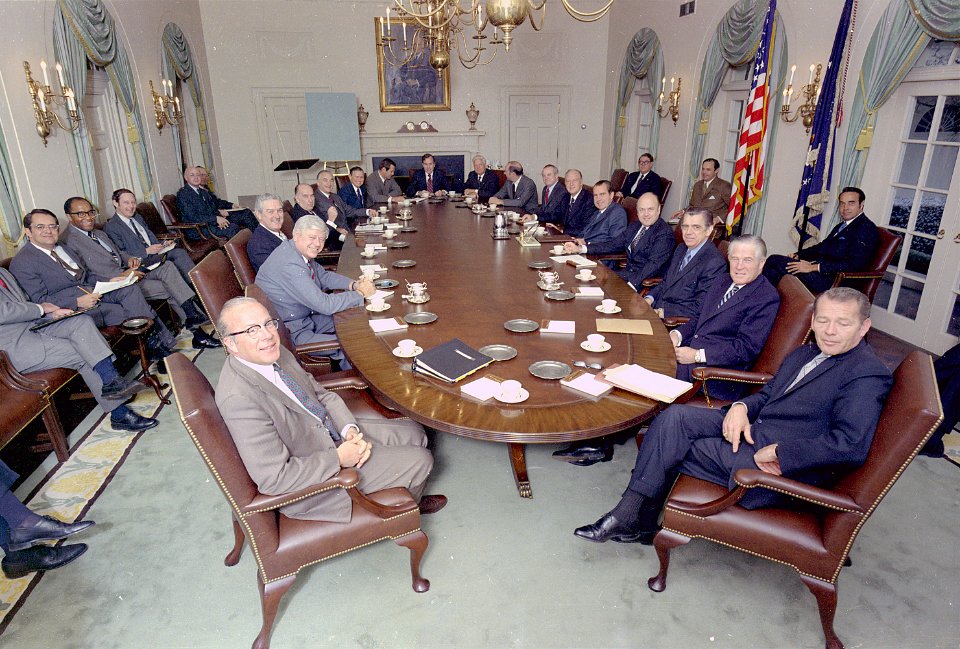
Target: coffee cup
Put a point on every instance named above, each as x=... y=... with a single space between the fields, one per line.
x=377 y=303
x=383 y=209
x=369 y=247
x=510 y=390
x=595 y=341
x=388 y=233
x=406 y=346
x=368 y=271
x=452 y=194
x=558 y=249
x=468 y=200
x=368 y=254
x=406 y=202
x=549 y=278
x=584 y=273
x=541 y=231
x=608 y=305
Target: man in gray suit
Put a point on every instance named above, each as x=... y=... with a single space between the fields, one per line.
x=381 y=187
x=74 y=343
x=101 y=255
x=297 y=285
x=291 y=433
x=134 y=239
x=518 y=191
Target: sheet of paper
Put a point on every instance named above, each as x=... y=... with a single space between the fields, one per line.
x=558 y=327
x=639 y=379
x=586 y=382
x=580 y=261
x=383 y=325
x=589 y=291
x=624 y=326
x=106 y=287
x=151 y=266
x=377 y=268
x=483 y=388
x=561 y=259
x=380 y=294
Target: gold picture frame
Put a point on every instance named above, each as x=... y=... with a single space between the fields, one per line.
x=415 y=86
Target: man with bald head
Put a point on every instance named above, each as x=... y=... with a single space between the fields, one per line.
x=197 y=204
x=518 y=191
x=649 y=243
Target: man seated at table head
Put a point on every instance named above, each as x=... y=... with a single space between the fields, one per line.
x=269 y=235
x=353 y=193
x=75 y=343
x=553 y=206
x=649 y=243
x=48 y=271
x=644 y=180
x=291 y=433
x=104 y=258
x=604 y=230
x=813 y=422
x=298 y=286
x=692 y=269
x=339 y=216
x=381 y=187
x=710 y=192
x=428 y=181
x=849 y=247
x=580 y=205
x=197 y=204
x=481 y=182
x=518 y=191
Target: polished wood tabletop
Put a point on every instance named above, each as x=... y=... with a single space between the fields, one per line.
x=476 y=284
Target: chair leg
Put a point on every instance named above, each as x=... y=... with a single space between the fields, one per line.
x=270 y=596
x=55 y=430
x=664 y=541
x=826 y=594
x=238 y=540
x=417 y=542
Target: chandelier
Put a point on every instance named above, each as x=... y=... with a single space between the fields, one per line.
x=440 y=27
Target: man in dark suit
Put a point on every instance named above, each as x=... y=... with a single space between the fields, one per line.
x=644 y=180
x=518 y=191
x=850 y=246
x=428 y=181
x=269 y=234
x=130 y=233
x=580 y=205
x=692 y=270
x=553 y=206
x=481 y=182
x=49 y=272
x=353 y=193
x=381 y=187
x=649 y=243
x=710 y=192
x=813 y=422
x=341 y=217
x=197 y=204
x=604 y=230
x=102 y=257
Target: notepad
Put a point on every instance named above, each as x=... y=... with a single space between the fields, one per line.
x=106 y=287
x=483 y=388
x=579 y=261
x=450 y=361
x=383 y=295
x=377 y=268
x=589 y=291
x=586 y=382
x=558 y=327
x=640 y=380
x=384 y=325
x=624 y=326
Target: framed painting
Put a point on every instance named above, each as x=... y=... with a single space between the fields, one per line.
x=413 y=85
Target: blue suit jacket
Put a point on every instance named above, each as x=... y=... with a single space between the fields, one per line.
x=128 y=241
x=418 y=183
x=850 y=250
x=578 y=213
x=682 y=293
x=555 y=209
x=259 y=246
x=732 y=335
x=485 y=189
x=650 y=183
x=200 y=206
x=349 y=195
x=604 y=232
x=650 y=255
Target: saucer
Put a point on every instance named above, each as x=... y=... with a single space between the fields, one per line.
x=586 y=279
x=615 y=309
x=370 y=307
x=523 y=396
x=605 y=347
x=416 y=352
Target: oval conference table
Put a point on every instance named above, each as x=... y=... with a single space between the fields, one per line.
x=476 y=284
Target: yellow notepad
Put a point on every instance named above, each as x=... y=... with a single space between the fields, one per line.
x=624 y=326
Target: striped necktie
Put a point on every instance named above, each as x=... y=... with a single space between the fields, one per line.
x=74 y=272
x=310 y=405
x=642 y=231
x=808 y=367
x=686 y=260
x=729 y=294
x=103 y=244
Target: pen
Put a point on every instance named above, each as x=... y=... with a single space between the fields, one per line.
x=464 y=355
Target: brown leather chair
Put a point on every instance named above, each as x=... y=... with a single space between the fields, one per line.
x=868 y=281
x=629 y=204
x=215 y=283
x=665 y=185
x=617 y=179
x=236 y=250
x=198 y=247
x=283 y=546
x=26 y=397
x=814 y=539
x=173 y=230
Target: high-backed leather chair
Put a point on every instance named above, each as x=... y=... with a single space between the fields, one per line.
x=196 y=249
x=28 y=396
x=283 y=546
x=868 y=281
x=617 y=179
x=215 y=283
x=816 y=538
x=665 y=185
x=629 y=204
x=202 y=243
x=236 y=249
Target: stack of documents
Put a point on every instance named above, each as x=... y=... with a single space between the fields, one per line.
x=640 y=380
x=586 y=382
x=483 y=388
x=558 y=327
x=589 y=291
x=386 y=325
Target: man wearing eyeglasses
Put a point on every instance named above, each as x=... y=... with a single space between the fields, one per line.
x=291 y=433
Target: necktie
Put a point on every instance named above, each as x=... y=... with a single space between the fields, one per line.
x=729 y=294
x=686 y=260
x=430 y=183
x=313 y=274
x=74 y=272
x=479 y=179
x=546 y=195
x=3 y=284
x=360 y=197
x=103 y=244
x=808 y=367
x=310 y=405
x=573 y=199
x=637 y=184
x=640 y=233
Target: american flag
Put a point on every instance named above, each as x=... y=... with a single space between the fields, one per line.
x=751 y=151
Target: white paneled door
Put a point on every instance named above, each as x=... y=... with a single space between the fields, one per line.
x=534 y=132
x=283 y=136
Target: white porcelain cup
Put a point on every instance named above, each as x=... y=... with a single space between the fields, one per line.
x=595 y=341
x=383 y=209
x=368 y=253
x=510 y=390
x=369 y=247
x=584 y=273
x=452 y=194
x=377 y=303
x=541 y=232
x=406 y=202
x=406 y=346
x=368 y=272
x=468 y=200
x=608 y=305
x=388 y=233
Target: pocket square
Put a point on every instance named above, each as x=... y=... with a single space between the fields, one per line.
x=711 y=198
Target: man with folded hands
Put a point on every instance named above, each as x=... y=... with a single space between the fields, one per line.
x=649 y=243
x=603 y=232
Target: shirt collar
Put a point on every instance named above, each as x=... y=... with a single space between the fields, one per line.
x=693 y=251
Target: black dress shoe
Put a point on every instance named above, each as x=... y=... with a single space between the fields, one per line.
x=121 y=388
x=203 y=340
x=46 y=529
x=133 y=422
x=43 y=557
x=608 y=528
x=431 y=504
x=585 y=454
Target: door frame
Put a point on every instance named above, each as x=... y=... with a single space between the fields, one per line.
x=563 y=137
x=259 y=95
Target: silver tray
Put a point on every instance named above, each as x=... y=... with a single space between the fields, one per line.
x=549 y=369
x=412 y=299
x=404 y=263
x=386 y=283
x=398 y=244
x=559 y=295
x=498 y=352
x=539 y=265
x=408 y=228
x=521 y=325
x=419 y=318
x=134 y=323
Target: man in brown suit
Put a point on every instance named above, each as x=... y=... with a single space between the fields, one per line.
x=291 y=433
x=710 y=192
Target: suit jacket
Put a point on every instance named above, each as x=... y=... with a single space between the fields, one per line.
x=681 y=293
x=650 y=183
x=200 y=206
x=604 y=231
x=578 y=213
x=128 y=241
x=44 y=280
x=378 y=190
x=93 y=255
x=302 y=301
x=260 y=244
x=523 y=196
x=349 y=195
x=418 y=182
x=732 y=335
x=347 y=216
x=555 y=209
x=851 y=249
x=485 y=189
x=333 y=237
x=648 y=257
x=716 y=198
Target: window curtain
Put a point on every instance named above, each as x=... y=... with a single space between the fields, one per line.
x=896 y=44
x=643 y=61
x=734 y=44
x=90 y=24
x=178 y=60
x=10 y=208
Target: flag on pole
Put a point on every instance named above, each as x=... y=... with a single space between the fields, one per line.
x=818 y=168
x=751 y=152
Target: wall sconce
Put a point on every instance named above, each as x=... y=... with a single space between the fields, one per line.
x=673 y=109
x=810 y=92
x=45 y=101
x=166 y=107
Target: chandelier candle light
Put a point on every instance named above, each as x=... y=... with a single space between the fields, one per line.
x=45 y=101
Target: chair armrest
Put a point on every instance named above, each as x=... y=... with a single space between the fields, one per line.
x=313 y=348
x=724 y=374
x=169 y=236
x=558 y=228
x=14 y=380
x=377 y=509
x=863 y=274
x=675 y=321
x=339 y=380
x=648 y=284
x=346 y=479
x=709 y=508
x=751 y=478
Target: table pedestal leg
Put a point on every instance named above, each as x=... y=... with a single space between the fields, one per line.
x=149 y=378
x=519 y=462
